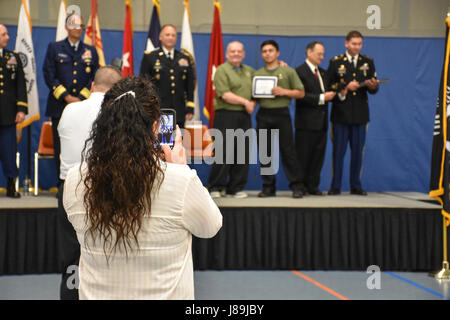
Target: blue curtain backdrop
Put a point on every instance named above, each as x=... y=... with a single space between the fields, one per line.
x=398 y=148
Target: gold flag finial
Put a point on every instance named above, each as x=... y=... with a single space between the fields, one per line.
x=217 y=4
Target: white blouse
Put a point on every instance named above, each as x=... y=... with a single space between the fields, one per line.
x=162 y=266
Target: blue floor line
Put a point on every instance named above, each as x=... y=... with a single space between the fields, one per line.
x=417 y=285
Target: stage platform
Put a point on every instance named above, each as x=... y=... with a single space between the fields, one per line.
x=282 y=200
x=399 y=231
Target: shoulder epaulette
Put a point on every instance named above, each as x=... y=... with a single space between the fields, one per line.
x=338 y=57
x=367 y=57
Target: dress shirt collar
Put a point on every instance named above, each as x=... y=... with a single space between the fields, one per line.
x=1 y=52
x=349 y=57
x=172 y=52
x=74 y=44
x=312 y=67
x=96 y=95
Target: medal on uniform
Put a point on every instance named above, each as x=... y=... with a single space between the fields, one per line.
x=157 y=65
x=88 y=69
x=342 y=70
x=158 y=76
x=364 y=68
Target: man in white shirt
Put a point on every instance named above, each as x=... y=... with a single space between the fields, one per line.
x=74 y=129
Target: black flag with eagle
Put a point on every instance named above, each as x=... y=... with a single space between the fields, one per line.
x=440 y=157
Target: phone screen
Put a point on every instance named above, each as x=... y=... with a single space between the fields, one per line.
x=166 y=130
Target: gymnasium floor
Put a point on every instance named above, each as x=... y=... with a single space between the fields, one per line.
x=267 y=285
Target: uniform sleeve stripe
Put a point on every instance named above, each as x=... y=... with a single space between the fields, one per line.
x=85 y=93
x=190 y=104
x=23 y=104
x=59 y=91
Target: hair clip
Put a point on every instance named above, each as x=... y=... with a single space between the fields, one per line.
x=123 y=94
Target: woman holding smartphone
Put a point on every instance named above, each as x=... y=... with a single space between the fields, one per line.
x=134 y=204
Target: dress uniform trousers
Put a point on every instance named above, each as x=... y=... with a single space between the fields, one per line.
x=356 y=136
x=232 y=159
x=8 y=149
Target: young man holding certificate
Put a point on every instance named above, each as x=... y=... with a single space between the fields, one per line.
x=274 y=114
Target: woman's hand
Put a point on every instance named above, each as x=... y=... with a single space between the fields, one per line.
x=176 y=155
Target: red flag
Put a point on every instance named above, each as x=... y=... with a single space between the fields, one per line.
x=216 y=58
x=92 y=36
x=127 y=53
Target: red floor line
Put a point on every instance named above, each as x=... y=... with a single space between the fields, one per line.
x=321 y=286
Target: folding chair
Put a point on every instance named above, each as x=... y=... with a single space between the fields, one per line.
x=45 y=151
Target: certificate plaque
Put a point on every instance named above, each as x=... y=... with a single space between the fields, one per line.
x=262 y=86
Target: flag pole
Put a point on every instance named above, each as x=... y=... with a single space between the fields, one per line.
x=444 y=273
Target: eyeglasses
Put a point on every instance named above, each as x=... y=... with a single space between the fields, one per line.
x=71 y=26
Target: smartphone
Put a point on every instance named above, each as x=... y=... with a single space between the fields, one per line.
x=167 y=126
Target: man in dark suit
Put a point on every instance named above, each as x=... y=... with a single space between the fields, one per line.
x=69 y=70
x=353 y=75
x=13 y=107
x=311 y=119
x=172 y=73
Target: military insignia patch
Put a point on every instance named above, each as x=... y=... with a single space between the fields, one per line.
x=87 y=54
x=183 y=62
x=11 y=61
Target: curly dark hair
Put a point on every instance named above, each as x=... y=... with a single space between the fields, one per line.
x=122 y=156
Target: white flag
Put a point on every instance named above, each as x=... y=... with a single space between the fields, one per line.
x=187 y=46
x=24 y=46
x=61 y=32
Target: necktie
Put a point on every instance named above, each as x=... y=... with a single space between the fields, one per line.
x=169 y=55
x=316 y=75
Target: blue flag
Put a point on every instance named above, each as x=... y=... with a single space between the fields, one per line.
x=154 y=29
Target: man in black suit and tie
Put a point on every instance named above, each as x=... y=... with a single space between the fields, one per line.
x=311 y=118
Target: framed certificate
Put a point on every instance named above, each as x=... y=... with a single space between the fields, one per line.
x=262 y=86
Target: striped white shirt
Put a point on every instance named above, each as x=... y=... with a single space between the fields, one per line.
x=162 y=266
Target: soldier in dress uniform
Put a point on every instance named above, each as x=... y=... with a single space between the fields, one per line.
x=69 y=70
x=352 y=75
x=172 y=73
x=13 y=107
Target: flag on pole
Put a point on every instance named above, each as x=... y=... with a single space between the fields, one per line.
x=216 y=58
x=24 y=46
x=92 y=36
x=440 y=156
x=187 y=47
x=127 y=53
x=154 y=28
x=61 y=32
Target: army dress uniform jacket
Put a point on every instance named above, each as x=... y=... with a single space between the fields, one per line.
x=67 y=71
x=173 y=78
x=13 y=92
x=309 y=115
x=354 y=110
